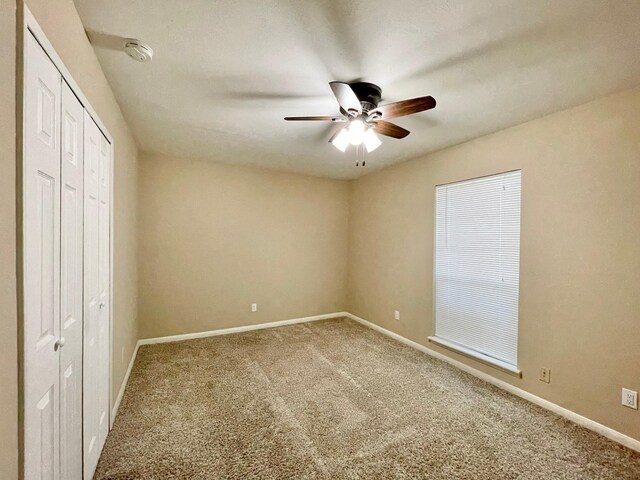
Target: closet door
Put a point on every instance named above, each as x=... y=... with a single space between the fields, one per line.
x=104 y=283
x=71 y=286
x=96 y=292
x=91 y=363
x=41 y=249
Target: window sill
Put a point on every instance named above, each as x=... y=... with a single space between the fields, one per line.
x=486 y=359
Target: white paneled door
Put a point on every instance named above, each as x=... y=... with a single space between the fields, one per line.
x=104 y=285
x=96 y=296
x=71 y=286
x=66 y=273
x=41 y=230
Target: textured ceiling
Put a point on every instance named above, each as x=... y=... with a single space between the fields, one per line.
x=225 y=73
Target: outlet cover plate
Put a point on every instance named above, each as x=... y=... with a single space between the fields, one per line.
x=545 y=375
x=629 y=398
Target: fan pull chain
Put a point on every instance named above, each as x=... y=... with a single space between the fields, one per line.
x=360 y=155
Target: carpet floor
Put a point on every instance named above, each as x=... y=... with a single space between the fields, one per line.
x=335 y=400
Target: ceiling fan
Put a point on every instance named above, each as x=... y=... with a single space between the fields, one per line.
x=364 y=118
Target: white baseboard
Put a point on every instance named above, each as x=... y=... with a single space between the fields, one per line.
x=246 y=328
x=125 y=380
x=603 y=430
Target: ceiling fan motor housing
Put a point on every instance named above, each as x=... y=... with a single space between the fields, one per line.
x=368 y=94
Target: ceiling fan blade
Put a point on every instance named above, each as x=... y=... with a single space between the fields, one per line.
x=405 y=107
x=315 y=119
x=346 y=97
x=390 y=129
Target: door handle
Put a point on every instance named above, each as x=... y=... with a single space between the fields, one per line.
x=59 y=343
x=101 y=305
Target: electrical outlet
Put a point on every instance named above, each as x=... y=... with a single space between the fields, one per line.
x=254 y=307
x=629 y=398
x=545 y=375
x=396 y=314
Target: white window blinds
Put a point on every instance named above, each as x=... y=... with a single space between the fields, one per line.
x=477 y=265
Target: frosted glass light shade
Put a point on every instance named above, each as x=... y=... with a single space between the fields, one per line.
x=371 y=140
x=341 y=142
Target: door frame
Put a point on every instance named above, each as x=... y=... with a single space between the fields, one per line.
x=31 y=27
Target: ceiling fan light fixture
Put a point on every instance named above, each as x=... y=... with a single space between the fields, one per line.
x=365 y=119
x=371 y=140
x=357 y=130
x=341 y=141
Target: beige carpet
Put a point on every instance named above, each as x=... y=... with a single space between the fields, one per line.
x=332 y=400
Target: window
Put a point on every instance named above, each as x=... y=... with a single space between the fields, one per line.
x=477 y=256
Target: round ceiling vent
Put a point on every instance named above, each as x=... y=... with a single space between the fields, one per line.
x=138 y=50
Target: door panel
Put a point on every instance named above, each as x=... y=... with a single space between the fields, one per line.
x=71 y=286
x=44 y=449
x=104 y=285
x=91 y=354
x=41 y=230
x=97 y=184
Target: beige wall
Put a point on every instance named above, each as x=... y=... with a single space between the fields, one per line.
x=61 y=23
x=580 y=250
x=216 y=238
x=8 y=302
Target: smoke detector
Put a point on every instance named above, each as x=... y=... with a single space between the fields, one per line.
x=139 y=51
